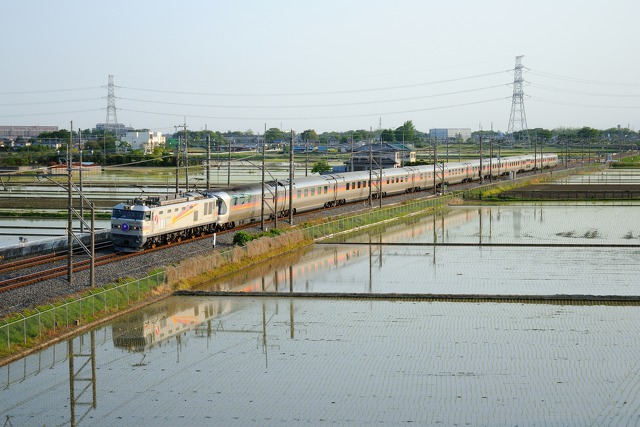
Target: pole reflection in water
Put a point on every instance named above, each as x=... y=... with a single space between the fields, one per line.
x=82 y=378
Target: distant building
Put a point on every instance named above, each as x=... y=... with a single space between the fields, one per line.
x=116 y=128
x=144 y=140
x=13 y=132
x=450 y=133
x=383 y=155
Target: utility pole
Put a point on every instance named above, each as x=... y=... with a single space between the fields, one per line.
x=80 y=177
x=306 y=162
x=370 y=169
x=435 y=162
x=208 y=160
x=177 y=159
x=491 y=160
x=351 y=170
x=481 y=171
x=264 y=140
x=291 y=180
x=69 y=211
x=229 y=166
x=186 y=156
x=380 y=171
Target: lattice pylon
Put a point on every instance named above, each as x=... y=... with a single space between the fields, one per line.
x=518 y=117
x=112 y=118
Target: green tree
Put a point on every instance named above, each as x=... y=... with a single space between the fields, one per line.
x=320 y=167
x=309 y=135
x=388 y=135
x=406 y=132
x=588 y=133
x=274 y=134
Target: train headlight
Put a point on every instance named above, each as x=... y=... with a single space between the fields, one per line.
x=124 y=227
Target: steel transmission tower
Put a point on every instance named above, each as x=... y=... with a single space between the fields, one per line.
x=112 y=119
x=518 y=118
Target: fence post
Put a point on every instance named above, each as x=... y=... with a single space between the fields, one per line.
x=39 y=324
x=24 y=327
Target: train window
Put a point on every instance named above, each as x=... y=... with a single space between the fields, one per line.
x=161 y=212
x=306 y=192
x=319 y=190
x=147 y=216
x=326 y=189
x=127 y=214
x=299 y=193
x=313 y=192
x=195 y=215
x=347 y=185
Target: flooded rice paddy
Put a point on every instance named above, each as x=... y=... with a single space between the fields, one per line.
x=276 y=360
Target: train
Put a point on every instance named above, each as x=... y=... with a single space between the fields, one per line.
x=147 y=222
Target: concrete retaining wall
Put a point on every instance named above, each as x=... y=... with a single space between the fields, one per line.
x=56 y=244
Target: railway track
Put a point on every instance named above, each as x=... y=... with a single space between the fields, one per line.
x=44 y=259
x=52 y=273
x=59 y=271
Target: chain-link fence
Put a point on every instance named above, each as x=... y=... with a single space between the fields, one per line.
x=24 y=328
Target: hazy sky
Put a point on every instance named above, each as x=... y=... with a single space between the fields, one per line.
x=323 y=64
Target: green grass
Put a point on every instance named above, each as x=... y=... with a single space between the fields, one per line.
x=24 y=330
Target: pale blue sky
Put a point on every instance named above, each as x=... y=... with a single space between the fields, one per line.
x=323 y=65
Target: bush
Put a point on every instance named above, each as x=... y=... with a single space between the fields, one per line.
x=241 y=238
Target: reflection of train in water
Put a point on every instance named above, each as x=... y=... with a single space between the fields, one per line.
x=295 y=272
x=151 y=221
x=149 y=327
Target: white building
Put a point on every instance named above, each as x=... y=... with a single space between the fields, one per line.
x=144 y=140
x=450 y=133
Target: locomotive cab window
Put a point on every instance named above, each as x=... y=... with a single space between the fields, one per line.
x=222 y=207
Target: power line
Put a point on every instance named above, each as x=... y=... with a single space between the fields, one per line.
x=576 y=104
x=576 y=92
x=579 y=80
x=314 y=105
x=319 y=117
x=50 y=102
x=315 y=93
x=51 y=114
x=30 y=92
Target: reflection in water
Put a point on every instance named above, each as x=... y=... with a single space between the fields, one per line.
x=250 y=360
x=82 y=380
x=146 y=329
